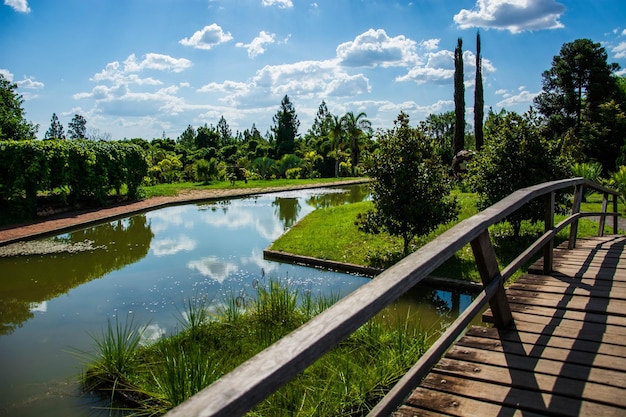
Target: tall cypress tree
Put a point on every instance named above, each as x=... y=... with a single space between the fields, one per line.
x=459 y=99
x=479 y=101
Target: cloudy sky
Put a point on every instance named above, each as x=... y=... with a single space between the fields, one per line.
x=141 y=68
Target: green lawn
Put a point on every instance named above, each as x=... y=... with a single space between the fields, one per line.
x=332 y=234
x=174 y=188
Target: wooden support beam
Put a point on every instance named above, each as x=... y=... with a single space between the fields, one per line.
x=487 y=264
x=549 y=225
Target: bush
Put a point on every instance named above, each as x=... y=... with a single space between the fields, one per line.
x=410 y=188
x=516 y=154
x=87 y=170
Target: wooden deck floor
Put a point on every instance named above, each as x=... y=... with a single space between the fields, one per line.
x=565 y=354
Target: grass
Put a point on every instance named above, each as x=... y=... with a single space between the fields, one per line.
x=331 y=234
x=175 y=188
x=347 y=381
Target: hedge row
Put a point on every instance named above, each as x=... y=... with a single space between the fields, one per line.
x=87 y=170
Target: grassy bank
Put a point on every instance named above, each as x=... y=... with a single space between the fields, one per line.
x=348 y=380
x=331 y=234
x=178 y=187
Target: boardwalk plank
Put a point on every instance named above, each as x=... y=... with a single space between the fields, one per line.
x=518 y=398
x=564 y=355
x=534 y=381
x=554 y=337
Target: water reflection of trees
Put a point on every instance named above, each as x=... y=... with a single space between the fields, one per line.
x=353 y=194
x=27 y=280
x=287 y=210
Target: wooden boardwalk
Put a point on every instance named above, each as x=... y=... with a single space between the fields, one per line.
x=564 y=355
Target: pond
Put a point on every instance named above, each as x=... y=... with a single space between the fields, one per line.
x=60 y=292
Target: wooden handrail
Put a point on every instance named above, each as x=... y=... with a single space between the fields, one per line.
x=239 y=391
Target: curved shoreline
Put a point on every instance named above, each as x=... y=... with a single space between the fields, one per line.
x=73 y=220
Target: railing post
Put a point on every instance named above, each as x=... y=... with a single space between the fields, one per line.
x=487 y=264
x=573 y=231
x=548 y=225
x=615 y=217
x=602 y=221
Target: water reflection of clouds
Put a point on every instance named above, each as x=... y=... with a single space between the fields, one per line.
x=162 y=219
x=151 y=333
x=162 y=247
x=40 y=307
x=237 y=218
x=256 y=258
x=214 y=268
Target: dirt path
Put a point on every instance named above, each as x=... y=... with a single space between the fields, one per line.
x=71 y=220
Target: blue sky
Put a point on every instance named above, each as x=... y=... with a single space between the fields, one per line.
x=138 y=68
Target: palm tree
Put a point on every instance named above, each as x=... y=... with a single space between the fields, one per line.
x=356 y=128
x=336 y=133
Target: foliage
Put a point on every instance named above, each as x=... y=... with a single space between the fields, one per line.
x=459 y=99
x=410 y=188
x=88 y=170
x=77 y=129
x=13 y=124
x=440 y=129
x=479 y=100
x=618 y=180
x=591 y=171
x=55 y=131
x=206 y=171
x=356 y=128
x=285 y=127
x=578 y=82
x=347 y=380
x=516 y=155
x=116 y=355
x=603 y=138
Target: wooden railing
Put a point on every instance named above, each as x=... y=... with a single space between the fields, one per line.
x=239 y=391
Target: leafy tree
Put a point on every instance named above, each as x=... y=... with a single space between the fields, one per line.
x=337 y=136
x=55 y=131
x=578 y=82
x=224 y=131
x=13 y=125
x=77 y=129
x=440 y=128
x=516 y=154
x=357 y=128
x=459 y=99
x=187 y=139
x=479 y=100
x=285 y=127
x=410 y=188
x=320 y=126
x=603 y=138
x=208 y=137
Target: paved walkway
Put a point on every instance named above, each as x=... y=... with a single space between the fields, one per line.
x=71 y=220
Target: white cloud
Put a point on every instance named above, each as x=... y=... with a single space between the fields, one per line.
x=7 y=74
x=304 y=79
x=430 y=44
x=256 y=47
x=157 y=62
x=512 y=15
x=620 y=50
x=30 y=83
x=439 y=69
x=283 y=4
x=207 y=37
x=374 y=48
x=18 y=5
x=524 y=97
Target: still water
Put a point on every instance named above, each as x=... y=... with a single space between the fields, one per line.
x=144 y=268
